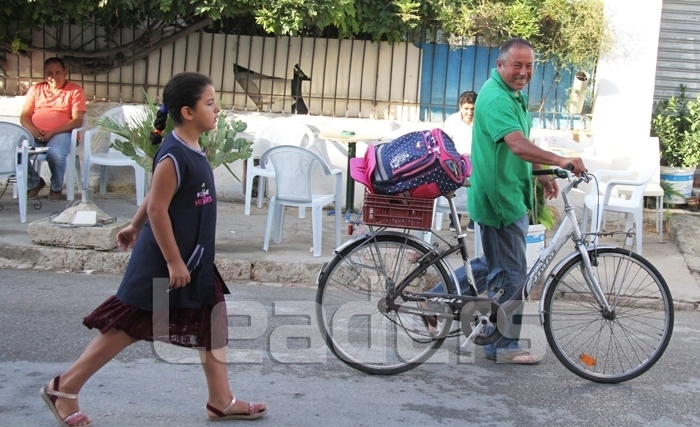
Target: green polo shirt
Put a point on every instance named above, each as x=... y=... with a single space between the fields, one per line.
x=501 y=190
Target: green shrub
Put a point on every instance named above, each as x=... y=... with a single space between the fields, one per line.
x=222 y=147
x=676 y=121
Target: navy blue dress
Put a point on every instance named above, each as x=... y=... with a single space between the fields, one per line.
x=193 y=322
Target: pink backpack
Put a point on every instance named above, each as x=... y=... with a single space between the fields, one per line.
x=422 y=165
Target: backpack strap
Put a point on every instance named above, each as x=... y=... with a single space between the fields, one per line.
x=362 y=168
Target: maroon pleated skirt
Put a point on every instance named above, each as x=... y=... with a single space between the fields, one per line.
x=203 y=327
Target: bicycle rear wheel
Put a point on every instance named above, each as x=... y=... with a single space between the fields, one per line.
x=609 y=347
x=351 y=313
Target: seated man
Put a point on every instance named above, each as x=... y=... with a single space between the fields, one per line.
x=51 y=111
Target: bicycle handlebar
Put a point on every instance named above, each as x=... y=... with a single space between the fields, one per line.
x=560 y=173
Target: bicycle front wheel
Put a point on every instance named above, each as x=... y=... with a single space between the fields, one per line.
x=615 y=346
x=351 y=311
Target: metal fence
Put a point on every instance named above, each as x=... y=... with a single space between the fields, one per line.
x=413 y=81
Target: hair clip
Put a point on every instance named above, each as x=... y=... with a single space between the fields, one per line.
x=163 y=109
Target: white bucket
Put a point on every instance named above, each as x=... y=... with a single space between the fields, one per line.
x=681 y=180
x=534 y=243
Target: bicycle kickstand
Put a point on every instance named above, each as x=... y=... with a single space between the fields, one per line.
x=481 y=324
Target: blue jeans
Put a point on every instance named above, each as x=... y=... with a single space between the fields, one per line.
x=503 y=266
x=59 y=148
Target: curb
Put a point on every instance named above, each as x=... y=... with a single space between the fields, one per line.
x=232 y=270
x=114 y=263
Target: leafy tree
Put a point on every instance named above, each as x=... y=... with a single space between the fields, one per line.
x=569 y=31
x=161 y=23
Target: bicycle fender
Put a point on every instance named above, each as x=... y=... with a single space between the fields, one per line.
x=365 y=237
x=553 y=272
x=358 y=241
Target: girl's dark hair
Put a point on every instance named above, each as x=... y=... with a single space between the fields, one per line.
x=182 y=90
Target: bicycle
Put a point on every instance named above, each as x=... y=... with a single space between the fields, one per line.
x=607 y=312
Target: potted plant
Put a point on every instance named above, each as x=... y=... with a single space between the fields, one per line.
x=676 y=122
x=220 y=146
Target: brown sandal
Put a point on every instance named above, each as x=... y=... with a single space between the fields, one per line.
x=254 y=412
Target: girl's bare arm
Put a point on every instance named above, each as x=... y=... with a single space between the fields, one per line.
x=161 y=194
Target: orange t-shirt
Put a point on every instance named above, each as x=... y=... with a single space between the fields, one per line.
x=52 y=111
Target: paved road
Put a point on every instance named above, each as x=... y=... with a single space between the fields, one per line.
x=147 y=385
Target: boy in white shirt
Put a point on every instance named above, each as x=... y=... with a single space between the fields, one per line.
x=459 y=127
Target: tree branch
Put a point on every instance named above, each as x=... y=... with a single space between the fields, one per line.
x=104 y=60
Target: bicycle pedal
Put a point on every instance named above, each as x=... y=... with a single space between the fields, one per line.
x=463 y=352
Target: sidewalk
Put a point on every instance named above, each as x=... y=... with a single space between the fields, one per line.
x=240 y=239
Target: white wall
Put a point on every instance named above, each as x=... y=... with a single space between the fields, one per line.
x=626 y=77
x=354 y=78
x=624 y=92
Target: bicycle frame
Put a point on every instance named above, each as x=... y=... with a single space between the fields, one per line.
x=569 y=228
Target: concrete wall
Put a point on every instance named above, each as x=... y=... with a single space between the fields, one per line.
x=355 y=78
x=624 y=89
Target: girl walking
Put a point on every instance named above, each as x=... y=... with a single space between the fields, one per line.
x=172 y=235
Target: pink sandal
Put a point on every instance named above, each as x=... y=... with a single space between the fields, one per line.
x=254 y=412
x=50 y=397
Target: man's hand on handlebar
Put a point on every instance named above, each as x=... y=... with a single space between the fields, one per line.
x=574 y=164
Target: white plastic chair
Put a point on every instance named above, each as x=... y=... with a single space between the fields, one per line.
x=280 y=132
x=650 y=152
x=602 y=199
x=72 y=173
x=112 y=157
x=13 y=136
x=442 y=206
x=294 y=167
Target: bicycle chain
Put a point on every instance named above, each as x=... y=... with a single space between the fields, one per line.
x=410 y=334
x=450 y=335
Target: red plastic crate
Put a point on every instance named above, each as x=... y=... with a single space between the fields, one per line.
x=397 y=212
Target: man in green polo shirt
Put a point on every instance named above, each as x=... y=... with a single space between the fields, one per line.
x=501 y=193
